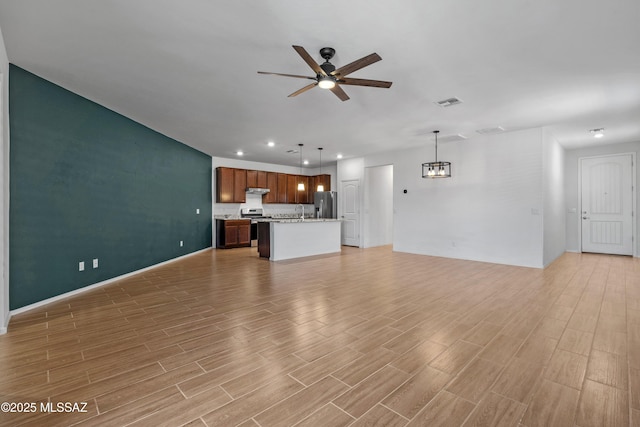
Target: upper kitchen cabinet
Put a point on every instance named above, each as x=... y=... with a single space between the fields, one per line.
x=261 y=179
x=231 y=185
x=325 y=180
x=272 y=185
x=240 y=185
x=282 y=188
x=302 y=196
x=252 y=179
x=292 y=189
x=224 y=185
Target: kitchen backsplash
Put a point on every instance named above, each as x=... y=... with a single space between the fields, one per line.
x=232 y=210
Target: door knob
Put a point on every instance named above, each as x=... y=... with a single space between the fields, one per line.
x=585 y=217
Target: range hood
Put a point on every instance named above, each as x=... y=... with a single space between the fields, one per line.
x=252 y=190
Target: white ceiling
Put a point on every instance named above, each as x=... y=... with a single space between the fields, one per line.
x=188 y=68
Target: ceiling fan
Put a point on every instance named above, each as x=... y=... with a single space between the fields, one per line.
x=328 y=77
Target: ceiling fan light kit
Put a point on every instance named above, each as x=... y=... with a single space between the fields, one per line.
x=328 y=77
x=326 y=82
x=436 y=169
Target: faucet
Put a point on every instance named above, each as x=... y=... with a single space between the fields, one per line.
x=302 y=206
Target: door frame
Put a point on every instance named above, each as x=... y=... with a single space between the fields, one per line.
x=634 y=228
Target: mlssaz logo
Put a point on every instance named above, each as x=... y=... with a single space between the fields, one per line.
x=63 y=407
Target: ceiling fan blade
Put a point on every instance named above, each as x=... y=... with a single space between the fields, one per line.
x=365 y=82
x=356 y=65
x=337 y=90
x=304 y=89
x=309 y=60
x=287 y=75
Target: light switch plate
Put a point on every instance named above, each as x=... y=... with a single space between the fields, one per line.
x=95 y=263
x=81 y=266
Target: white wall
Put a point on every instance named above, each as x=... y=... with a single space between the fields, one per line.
x=490 y=210
x=378 y=206
x=572 y=196
x=4 y=187
x=554 y=218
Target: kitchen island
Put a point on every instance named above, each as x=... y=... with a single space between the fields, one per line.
x=281 y=239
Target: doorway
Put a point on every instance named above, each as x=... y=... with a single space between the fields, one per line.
x=607 y=204
x=378 y=206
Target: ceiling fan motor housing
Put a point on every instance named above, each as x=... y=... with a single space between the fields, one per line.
x=327 y=67
x=327 y=53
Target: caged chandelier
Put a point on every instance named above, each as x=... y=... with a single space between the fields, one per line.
x=437 y=169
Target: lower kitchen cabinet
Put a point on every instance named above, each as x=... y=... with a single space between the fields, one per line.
x=233 y=233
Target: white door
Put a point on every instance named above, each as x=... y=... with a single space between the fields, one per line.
x=350 y=212
x=607 y=204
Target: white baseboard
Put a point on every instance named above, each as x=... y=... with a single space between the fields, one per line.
x=94 y=286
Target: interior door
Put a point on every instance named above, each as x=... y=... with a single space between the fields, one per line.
x=350 y=212
x=607 y=204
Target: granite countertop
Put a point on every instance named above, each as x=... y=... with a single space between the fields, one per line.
x=293 y=220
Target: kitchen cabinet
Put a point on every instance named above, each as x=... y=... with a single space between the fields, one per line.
x=292 y=188
x=224 y=185
x=240 y=185
x=302 y=196
x=282 y=188
x=311 y=189
x=262 y=179
x=325 y=180
x=233 y=233
x=272 y=185
x=252 y=179
x=231 y=185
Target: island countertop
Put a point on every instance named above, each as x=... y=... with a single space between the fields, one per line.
x=280 y=239
x=297 y=220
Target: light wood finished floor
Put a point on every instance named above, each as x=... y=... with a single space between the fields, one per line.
x=368 y=337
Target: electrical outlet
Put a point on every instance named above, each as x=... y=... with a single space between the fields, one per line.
x=95 y=263
x=81 y=266
x=181 y=243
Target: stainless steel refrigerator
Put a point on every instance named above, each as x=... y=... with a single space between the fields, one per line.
x=325 y=204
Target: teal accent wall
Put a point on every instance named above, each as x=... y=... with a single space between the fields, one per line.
x=86 y=183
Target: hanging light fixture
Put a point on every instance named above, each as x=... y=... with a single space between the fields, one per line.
x=300 y=184
x=436 y=169
x=320 y=184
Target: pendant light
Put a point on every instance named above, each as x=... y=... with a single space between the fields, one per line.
x=436 y=169
x=320 y=184
x=300 y=184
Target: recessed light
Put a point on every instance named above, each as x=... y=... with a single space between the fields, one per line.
x=339 y=156
x=240 y=153
x=597 y=133
x=306 y=162
x=271 y=144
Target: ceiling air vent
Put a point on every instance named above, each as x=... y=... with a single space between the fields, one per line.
x=449 y=102
x=491 y=131
x=452 y=138
x=293 y=151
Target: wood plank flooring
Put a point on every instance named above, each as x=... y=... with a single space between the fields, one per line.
x=368 y=337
